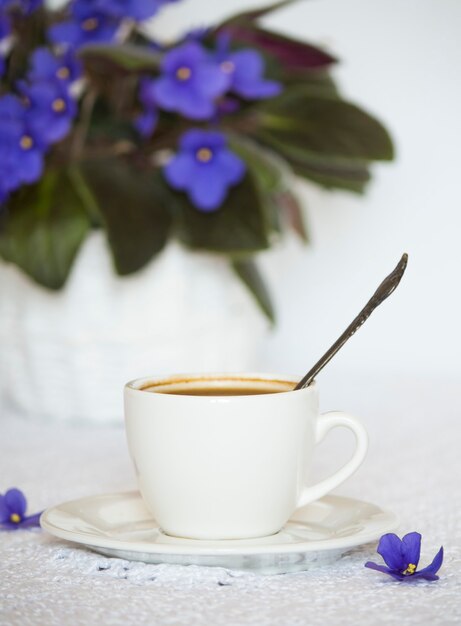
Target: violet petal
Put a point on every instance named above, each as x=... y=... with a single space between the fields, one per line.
x=208 y=191
x=412 y=548
x=384 y=570
x=430 y=571
x=31 y=520
x=180 y=171
x=390 y=548
x=16 y=501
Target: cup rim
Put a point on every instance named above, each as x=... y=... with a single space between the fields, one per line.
x=138 y=385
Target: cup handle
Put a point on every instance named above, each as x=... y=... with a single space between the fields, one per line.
x=325 y=423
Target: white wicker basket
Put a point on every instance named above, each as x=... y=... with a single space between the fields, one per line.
x=66 y=355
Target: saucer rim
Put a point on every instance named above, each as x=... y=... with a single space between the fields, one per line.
x=385 y=521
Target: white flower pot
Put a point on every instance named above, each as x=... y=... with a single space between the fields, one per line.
x=66 y=355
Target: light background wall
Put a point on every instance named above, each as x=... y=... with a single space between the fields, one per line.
x=401 y=60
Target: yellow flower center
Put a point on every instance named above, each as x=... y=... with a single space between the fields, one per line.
x=15 y=518
x=204 y=155
x=63 y=73
x=91 y=23
x=183 y=73
x=26 y=143
x=227 y=67
x=58 y=105
x=410 y=569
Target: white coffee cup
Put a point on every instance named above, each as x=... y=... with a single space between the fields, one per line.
x=229 y=467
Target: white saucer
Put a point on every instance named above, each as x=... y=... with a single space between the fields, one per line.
x=119 y=525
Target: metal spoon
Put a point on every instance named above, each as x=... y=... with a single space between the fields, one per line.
x=384 y=291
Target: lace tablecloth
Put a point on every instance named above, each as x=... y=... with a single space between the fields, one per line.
x=413 y=468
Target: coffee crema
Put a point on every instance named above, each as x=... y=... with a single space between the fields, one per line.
x=222 y=387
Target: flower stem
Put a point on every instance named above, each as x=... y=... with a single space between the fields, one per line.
x=81 y=131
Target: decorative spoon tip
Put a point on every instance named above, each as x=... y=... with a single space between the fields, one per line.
x=384 y=290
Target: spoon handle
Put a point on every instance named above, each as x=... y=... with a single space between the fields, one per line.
x=384 y=291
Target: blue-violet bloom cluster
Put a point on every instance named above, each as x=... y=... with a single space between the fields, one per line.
x=402 y=557
x=196 y=84
x=193 y=80
x=45 y=65
x=41 y=115
x=190 y=82
x=21 y=153
x=50 y=110
x=205 y=168
x=87 y=24
x=13 y=506
x=99 y=21
x=138 y=10
x=244 y=69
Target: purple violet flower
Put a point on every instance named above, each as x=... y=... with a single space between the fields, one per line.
x=245 y=69
x=99 y=20
x=21 y=154
x=146 y=121
x=10 y=136
x=47 y=66
x=402 y=557
x=13 y=506
x=87 y=25
x=137 y=10
x=5 y=26
x=25 y=6
x=204 y=168
x=190 y=83
x=29 y=6
x=50 y=110
x=197 y=34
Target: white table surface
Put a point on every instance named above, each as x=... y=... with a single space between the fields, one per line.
x=413 y=468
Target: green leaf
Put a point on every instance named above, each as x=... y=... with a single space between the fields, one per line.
x=354 y=180
x=292 y=54
x=323 y=125
x=43 y=229
x=239 y=226
x=126 y=56
x=329 y=171
x=248 y=272
x=264 y=165
x=132 y=208
x=275 y=179
x=267 y=170
x=313 y=83
x=293 y=212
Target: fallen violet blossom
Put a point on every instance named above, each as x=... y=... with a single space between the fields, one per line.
x=402 y=557
x=13 y=505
